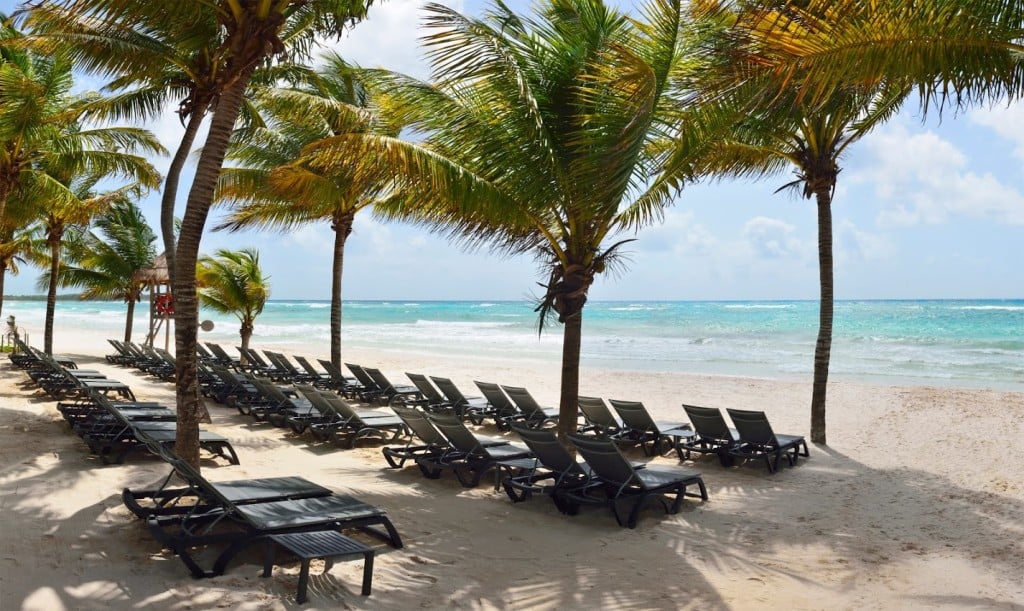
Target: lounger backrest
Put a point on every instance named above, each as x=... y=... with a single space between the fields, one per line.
x=708 y=422
x=281 y=362
x=271 y=391
x=524 y=401
x=335 y=373
x=305 y=364
x=496 y=397
x=219 y=353
x=363 y=377
x=380 y=380
x=342 y=407
x=425 y=387
x=605 y=459
x=549 y=451
x=450 y=391
x=753 y=427
x=634 y=415
x=597 y=413
x=313 y=395
x=420 y=426
x=457 y=433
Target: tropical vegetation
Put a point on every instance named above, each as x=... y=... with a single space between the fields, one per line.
x=231 y=282
x=273 y=188
x=105 y=260
x=541 y=136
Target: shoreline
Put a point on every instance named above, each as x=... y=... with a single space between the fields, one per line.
x=914 y=487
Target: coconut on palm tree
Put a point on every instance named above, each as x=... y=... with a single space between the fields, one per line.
x=231 y=282
x=105 y=262
x=539 y=138
x=274 y=189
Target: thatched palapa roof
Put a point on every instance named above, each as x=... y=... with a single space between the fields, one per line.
x=154 y=275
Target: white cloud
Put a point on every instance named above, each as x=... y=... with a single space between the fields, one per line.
x=923 y=179
x=772 y=238
x=389 y=38
x=1007 y=121
x=678 y=234
x=853 y=244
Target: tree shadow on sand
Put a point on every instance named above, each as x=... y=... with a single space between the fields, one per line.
x=831 y=525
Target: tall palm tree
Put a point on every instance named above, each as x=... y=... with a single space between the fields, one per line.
x=250 y=33
x=104 y=262
x=274 y=189
x=73 y=215
x=538 y=139
x=231 y=282
x=167 y=62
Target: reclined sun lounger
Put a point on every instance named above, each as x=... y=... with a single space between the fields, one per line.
x=219 y=520
x=499 y=406
x=556 y=474
x=713 y=435
x=357 y=424
x=432 y=443
x=599 y=418
x=135 y=427
x=757 y=440
x=533 y=415
x=622 y=483
x=472 y=459
x=643 y=430
x=466 y=408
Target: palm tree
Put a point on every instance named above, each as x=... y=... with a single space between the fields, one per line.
x=954 y=52
x=249 y=34
x=232 y=283
x=105 y=265
x=73 y=215
x=274 y=189
x=538 y=139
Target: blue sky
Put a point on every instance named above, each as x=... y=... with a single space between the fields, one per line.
x=930 y=209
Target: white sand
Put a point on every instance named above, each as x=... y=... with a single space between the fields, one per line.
x=918 y=502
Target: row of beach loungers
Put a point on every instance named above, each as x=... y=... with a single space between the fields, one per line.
x=424 y=423
x=219 y=518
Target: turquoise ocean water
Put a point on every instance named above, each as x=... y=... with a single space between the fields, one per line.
x=976 y=343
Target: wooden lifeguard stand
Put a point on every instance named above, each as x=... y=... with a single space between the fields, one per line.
x=161 y=306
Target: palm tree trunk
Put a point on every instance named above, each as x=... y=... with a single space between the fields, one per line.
x=186 y=304
x=246 y=333
x=129 y=319
x=342 y=226
x=3 y=276
x=823 y=347
x=568 y=404
x=170 y=194
x=51 y=294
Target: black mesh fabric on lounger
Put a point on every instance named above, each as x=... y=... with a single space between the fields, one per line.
x=472 y=459
x=599 y=418
x=219 y=521
x=757 y=440
x=713 y=435
x=622 y=483
x=639 y=427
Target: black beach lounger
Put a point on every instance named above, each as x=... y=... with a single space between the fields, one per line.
x=758 y=441
x=622 y=483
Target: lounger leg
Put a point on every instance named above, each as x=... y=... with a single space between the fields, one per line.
x=300 y=596
x=367 y=572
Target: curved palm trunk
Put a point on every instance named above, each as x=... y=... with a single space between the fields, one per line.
x=51 y=295
x=129 y=319
x=170 y=194
x=823 y=347
x=186 y=304
x=3 y=276
x=246 y=334
x=342 y=226
x=568 y=403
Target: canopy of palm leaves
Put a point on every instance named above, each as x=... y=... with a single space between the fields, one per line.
x=539 y=136
x=231 y=282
